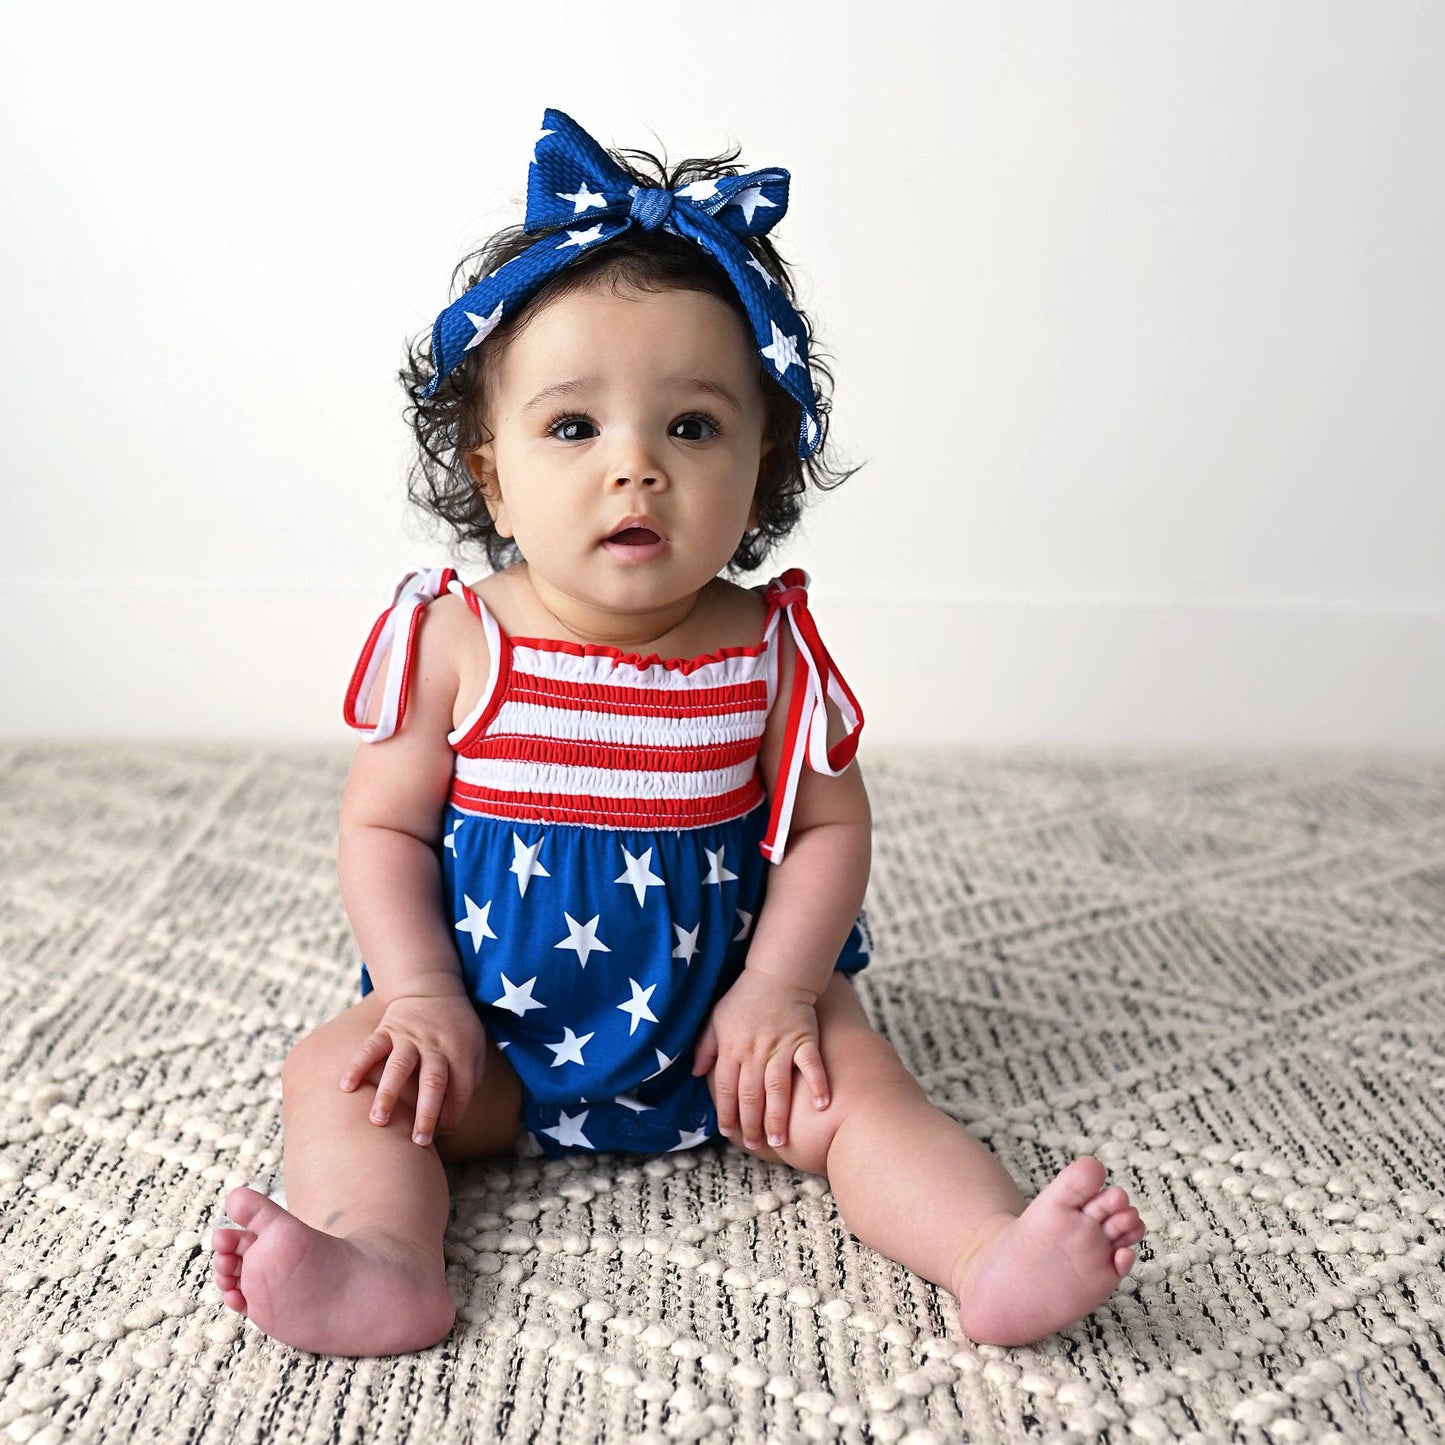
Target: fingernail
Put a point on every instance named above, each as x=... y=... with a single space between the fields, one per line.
x=775 y=1140
x=418 y=1138
x=751 y=1143
x=820 y=1102
x=378 y=1116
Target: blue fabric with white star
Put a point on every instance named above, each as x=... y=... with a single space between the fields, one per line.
x=594 y=957
x=582 y=198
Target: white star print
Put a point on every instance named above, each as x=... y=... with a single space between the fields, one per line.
x=698 y=191
x=631 y=1101
x=519 y=1000
x=581 y=238
x=569 y=1051
x=761 y=270
x=639 y=874
x=783 y=353
x=662 y=1062
x=750 y=199
x=717 y=873
x=475 y=923
x=485 y=326
x=637 y=1005
x=525 y=864
x=747 y=923
x=584 y=199
x=689 y=1139
x=569 y=1129
x=451 y=838
x=686 y=942
x=812 y=427
x=583 y=938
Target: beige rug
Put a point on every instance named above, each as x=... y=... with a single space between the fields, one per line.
x=1224 y=976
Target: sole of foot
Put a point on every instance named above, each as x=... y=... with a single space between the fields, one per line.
x=359 y=1296
x=1032 y=1275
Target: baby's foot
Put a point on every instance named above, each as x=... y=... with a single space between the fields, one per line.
x=1031 y=1275
x=358 y=1296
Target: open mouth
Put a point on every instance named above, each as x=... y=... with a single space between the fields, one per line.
x=636 y=542
x=635 y=537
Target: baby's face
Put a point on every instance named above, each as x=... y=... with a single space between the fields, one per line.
x=660 y=425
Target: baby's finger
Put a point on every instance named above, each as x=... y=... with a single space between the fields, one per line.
x=725 y=1095
x=399 y=1068
x=779 y=1083
x=461 y=1085
x=705 y=1055
x=431 y=1093
x=815 y=1077
x=752 y=1095
x=374 y=1046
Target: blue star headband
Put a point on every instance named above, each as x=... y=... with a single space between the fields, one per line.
x=576 y=192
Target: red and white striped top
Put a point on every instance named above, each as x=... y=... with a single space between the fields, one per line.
x=590 y=735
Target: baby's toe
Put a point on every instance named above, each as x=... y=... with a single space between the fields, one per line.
x=1106 y=1202
x=1125 y=1222
x=1123 y=1261
x=231 y=1241
x=1078 y=1183
x=1132 y=1236
x=233 y=1299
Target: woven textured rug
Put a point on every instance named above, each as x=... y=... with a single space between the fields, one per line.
x=1223 y=975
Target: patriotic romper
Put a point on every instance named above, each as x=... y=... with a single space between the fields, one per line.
x=605 y=852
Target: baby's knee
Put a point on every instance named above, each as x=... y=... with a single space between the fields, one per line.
x=306 y=1059
x=327 y=1049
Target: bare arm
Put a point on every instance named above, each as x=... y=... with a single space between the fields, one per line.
x=392 y=810
x=815 y=893
x=766 y=1024
x=389 y=869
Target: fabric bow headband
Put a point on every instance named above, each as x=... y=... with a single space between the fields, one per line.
x=574 y=184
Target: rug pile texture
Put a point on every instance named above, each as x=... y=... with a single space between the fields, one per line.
x=1221 y=974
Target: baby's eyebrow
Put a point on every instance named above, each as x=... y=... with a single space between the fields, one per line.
x=581 y=384
x=560 y=388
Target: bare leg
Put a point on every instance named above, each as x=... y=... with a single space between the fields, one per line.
x=355 y=1266
x=914 y=1184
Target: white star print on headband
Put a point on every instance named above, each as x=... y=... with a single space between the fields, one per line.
x=573 y=183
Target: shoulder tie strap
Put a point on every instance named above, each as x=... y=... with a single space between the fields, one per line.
x=417 y=588
x=815 y=680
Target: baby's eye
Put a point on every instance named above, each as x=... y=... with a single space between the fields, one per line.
x=694 y=419
x=567 y=421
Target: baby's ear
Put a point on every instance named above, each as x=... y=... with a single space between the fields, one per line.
x=481 y=464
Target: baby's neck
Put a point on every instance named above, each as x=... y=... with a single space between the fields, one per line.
x=574 y=621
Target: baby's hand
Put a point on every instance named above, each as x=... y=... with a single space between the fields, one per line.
x=758 y=1032
x=437 y=1037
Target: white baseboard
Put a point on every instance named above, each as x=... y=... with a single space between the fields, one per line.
x=229 y=663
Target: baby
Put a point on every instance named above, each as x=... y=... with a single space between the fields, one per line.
x=603 y=903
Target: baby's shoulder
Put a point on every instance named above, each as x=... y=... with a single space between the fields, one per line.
x=736 y=614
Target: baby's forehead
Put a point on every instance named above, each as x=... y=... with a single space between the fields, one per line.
x=597 y=333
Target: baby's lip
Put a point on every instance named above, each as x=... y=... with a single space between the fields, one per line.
x=639 y=524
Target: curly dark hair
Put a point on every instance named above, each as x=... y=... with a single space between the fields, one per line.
x=449 y=424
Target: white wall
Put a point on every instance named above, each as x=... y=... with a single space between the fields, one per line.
x=1136 y=313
